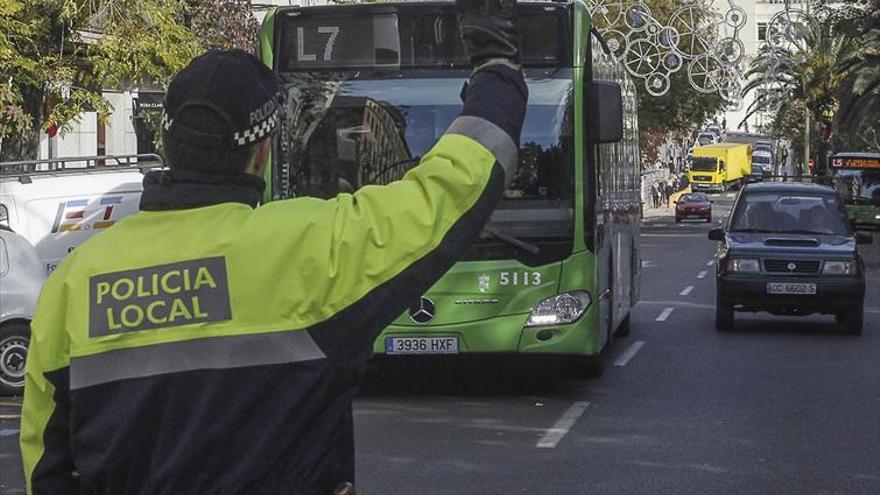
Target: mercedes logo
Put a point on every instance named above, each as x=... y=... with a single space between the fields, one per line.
x=791 y=267
x=422 y=312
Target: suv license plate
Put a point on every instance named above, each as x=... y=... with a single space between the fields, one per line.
x=421 y=345
x=791 y=288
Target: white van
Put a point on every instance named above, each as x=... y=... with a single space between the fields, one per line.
x=57 y=209
x=47 y=209
x=763 y=159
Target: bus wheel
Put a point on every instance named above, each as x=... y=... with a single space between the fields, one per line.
x=14 y=340
x=624 y=329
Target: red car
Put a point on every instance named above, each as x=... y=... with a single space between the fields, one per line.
x=693 y=205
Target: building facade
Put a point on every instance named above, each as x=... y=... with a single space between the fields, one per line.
x=759 y=14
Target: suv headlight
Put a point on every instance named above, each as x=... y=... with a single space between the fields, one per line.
x=743 y=265
x=849 y=267
x=559 y=310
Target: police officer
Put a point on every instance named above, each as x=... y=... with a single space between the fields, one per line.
x=210 y=346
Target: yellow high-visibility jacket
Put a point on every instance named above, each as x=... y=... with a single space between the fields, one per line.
x=205 y=346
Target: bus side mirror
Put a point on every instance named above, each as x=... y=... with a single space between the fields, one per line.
x=716 y=235
x=607 y=114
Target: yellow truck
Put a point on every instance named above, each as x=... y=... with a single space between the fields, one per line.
x=717 y=167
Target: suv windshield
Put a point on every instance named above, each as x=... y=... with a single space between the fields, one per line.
x=345 y=133
x=704 y=164
x=789 y=212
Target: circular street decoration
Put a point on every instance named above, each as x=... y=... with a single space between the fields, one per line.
x=606 y=13
x=617 y=42
x=735 y=17
x=657 y=84
x=704 y=37
x=638 y=17
x=731 y=50
x=642 y=58
x=703 y=73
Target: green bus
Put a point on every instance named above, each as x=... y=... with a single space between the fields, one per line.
x=856 y=176
x=369 y=89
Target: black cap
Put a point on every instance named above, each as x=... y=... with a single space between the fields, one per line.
x=233 y=85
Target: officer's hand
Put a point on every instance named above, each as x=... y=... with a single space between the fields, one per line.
x=489 y=30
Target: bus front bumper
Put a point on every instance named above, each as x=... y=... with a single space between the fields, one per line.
x=503 y=334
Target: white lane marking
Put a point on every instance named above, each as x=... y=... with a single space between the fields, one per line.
x=562 y=426
x=702 y=274
x=710 y=263
x=626 y=356
x=8 y=433
x=677 y=304
x=647 y=264
x=664 y=314
x=687 y=290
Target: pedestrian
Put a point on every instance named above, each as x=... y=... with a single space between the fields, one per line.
x=669 y=192
x=208 y=345
x=655 y=195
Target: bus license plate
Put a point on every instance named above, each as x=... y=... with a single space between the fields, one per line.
x=421 y=345
x=791 y=288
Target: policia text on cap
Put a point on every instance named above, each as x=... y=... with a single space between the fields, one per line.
x=209 y=346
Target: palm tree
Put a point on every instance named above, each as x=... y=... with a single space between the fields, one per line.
x=860 y=94
x=805 y=67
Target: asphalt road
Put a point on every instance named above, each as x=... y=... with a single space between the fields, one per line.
x=780 y=405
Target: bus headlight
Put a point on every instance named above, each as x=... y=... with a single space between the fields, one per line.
x=561 y=309
x=743 y=265
x=840 y=268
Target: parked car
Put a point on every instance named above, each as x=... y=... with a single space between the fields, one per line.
x=21 y=276
x=788 y=249
x=757 y=175
x=693 y=206
x=705 y=138
x=764 y=146
x=716 y=130
x=764 y=159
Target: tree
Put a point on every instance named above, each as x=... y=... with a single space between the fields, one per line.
x=858 y=127
x=809 y=71
x=57 y=56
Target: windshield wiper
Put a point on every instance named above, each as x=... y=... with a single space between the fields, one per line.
x=513 y=241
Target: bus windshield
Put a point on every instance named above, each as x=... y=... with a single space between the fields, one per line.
x=704 y=164
x=344 y=133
